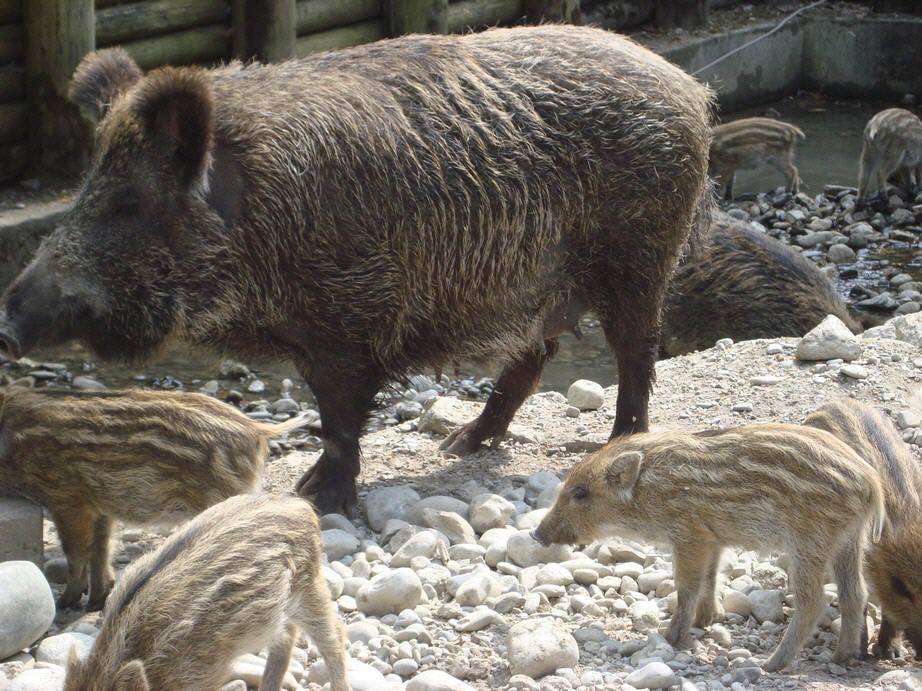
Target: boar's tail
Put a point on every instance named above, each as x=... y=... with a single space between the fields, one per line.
x=297 y=422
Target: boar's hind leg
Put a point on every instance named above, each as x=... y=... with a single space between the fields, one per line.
x=516 y=383
x=102 y=577
x=75 y=528
x=807 y=579
x=344 y=402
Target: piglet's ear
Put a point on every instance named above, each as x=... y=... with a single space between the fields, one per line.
x=131 y=677
x=176 y=107
x=101 y=77
x=622 y=471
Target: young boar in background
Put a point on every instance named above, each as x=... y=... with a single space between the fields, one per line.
x=367 y=212
x=892 y=144
x=243 y=575
x=760 y=487
x=894 y=565
x=747 y=286
x=749 y=142
x=135 y=456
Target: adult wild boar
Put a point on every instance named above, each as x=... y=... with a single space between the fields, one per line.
x=399 y=205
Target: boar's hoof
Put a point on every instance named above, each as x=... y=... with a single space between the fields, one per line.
x=892 y=650
x=467 y=439
x=329 y=494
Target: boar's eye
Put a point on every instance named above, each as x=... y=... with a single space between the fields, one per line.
x=580 y=493
x=900 y=588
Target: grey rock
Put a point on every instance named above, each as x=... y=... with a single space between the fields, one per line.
x=26 y=606
x=828 y=340
x=436 y=680
x=390 y=592
x=56 y=649
x=338 y=543
x=524 y=550
x=539 y=647
x=586 y=395
x=766 y=605
x=654 y=675
x=87 y=384
x=414 y=513
x=388 y=502
x=841 y=254
x=489 y=511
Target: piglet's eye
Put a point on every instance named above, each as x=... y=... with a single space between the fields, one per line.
x=900 y=588
x=581 y=493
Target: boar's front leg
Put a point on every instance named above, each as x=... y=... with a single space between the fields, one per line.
x=344 y=400
x=517 y=382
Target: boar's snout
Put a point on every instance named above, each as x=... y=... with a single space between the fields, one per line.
x=553 y=532
x=10 y=347
x=29 y=309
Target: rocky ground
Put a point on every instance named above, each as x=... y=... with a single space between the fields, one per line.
x=441 y=586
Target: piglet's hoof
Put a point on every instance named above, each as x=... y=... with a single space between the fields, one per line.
x=328 y=495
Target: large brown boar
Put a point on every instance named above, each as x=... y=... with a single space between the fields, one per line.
x=894 y=565
x=748 y=285
x=243 y=575
x=404 y=204
x=749 y=142
x=892 y=144
x=135 y=456
x=760 y=486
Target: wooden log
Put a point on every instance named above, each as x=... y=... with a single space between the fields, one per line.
x=352 y=35
x=11 y=43
x=680 y=14
x=58 y=33
x=146 y=19
x=319 y=15
x=14 y=158
x=417 y=16
x=12 y=84
x=264 y=29
x=203 y=45
x=14 y=121
x=477 y=14
x=537 y=11
x=10 y=11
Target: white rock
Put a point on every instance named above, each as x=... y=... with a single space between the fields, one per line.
x=828 y=340
x=426 y=543
x=39 y=679
x=388 y=502
x=628 y=568
x=436 y=680
x=362 y=677
x=361 y=631
x=414 y=514
x=585 y=395
x=655 y=675
x=736 y=602
x=334 y=581
x=476 y=588
x=56 y=649
x=841 y=254
x=645 y=615
x=524 y=550
x=406 y=667
x=854 y=371
x=649 y=580
x=251 y=672
x=329 y=521
x=908 y=328
x=338 y=543
x=390 y=592
x=906 y=419
x=531 y=519
x=479 y=619
x=452 y=525
x=443 y=415
x=539 y=647
x=490 y=511
x=766 y=605
x=26 y=606
x=554 y=574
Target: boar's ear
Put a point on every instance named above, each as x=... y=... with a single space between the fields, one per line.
x=176 y=107
x=100 y=78
x=131 y=677
x=622 y=471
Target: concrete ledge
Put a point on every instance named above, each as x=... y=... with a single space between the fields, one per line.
x=21 y=231
x=21 y=531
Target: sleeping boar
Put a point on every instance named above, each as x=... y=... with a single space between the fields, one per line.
x=892 y=144
x=243 y=575
x=135 y=456
x=784 y=487
x=748 y=142
x=395 y=206
x=749 y=285
x=893 y=565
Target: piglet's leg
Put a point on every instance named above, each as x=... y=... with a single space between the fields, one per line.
x=326 y=631
x=709 y=610
x=807 y=579
x=853 y=597
x=102 y=578
x=691 y=565
x=278 y=659
x=888 y=645
x=75 y=526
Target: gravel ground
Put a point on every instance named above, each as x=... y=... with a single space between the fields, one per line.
x=441 y=604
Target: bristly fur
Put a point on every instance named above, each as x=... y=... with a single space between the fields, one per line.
x=894 y=565
x=135 y=456
x=243 y=575
x=747 y=142
x=747 y=285
x=892 y=143
x=784 y=487
x=101 y=77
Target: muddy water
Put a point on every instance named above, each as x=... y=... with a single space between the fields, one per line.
x=828 y=155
